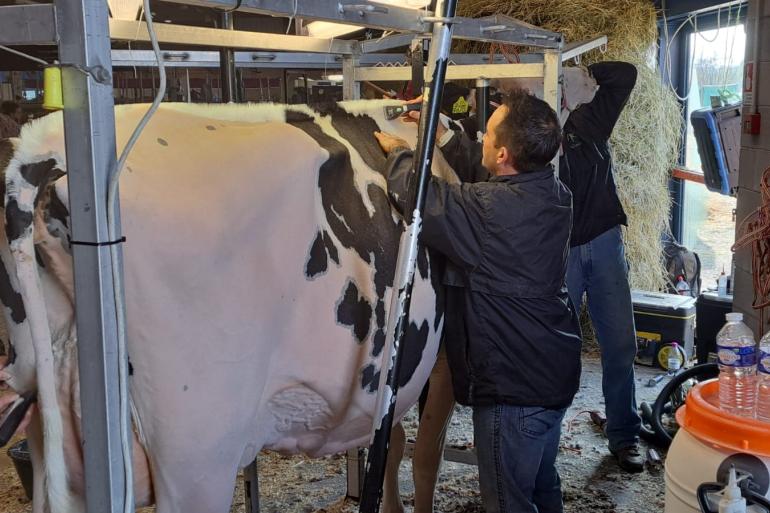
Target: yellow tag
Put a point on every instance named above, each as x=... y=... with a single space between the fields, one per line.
x=460 y=106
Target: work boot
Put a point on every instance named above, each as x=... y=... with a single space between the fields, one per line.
x=630 y=458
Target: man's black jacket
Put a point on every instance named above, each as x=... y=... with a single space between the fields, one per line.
x=586 y=164
x=511 y=333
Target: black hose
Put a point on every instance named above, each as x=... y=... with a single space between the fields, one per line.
x=662 y=403
x=703 y=490
x=754 y=497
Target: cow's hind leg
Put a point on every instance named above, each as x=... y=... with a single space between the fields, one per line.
x=391 y=498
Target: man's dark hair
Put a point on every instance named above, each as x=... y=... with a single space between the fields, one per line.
x=530 y=130
x=9 y=108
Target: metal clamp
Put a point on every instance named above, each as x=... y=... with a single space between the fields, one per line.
x=99 y=73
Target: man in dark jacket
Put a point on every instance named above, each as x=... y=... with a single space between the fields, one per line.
x=597 y=262
x=511 y=334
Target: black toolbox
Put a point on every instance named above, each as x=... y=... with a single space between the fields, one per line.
x=662 y=319
x=710 y=309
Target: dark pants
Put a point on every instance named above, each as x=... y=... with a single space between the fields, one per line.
x=599 y=269
x=516 y=448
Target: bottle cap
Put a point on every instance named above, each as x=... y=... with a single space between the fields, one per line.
x=734 y=317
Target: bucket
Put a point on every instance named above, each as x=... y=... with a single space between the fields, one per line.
x=709 y=442
x=19 y=454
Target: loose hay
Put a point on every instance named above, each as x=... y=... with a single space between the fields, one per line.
x=646 y=139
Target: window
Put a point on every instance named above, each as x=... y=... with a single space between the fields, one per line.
x=716 y=70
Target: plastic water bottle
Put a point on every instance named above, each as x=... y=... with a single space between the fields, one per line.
x=674 y=363
x=737 y=355
x=682 y=288
x=763 y=379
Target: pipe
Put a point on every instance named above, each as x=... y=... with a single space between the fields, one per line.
x=227 y=65
x=398 y=316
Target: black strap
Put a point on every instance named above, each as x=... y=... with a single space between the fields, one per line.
x=96 y=244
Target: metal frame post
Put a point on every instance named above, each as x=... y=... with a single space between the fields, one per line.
x=482 y=104
x=552 y=87
x=351 y=88
x=398 y=317
x=227 y=64
x=89 y=129
x=251 y=487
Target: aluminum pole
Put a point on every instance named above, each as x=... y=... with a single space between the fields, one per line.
x=89 y=130
x=398 y=318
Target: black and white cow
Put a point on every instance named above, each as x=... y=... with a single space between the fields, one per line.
x=260 y=254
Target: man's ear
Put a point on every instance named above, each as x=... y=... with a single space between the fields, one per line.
x=503 y=155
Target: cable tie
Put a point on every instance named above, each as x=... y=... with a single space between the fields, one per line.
x=95 y=244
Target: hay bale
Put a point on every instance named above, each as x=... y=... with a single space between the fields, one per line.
x=646 y=139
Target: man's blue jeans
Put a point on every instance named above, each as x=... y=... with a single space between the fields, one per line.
x=516 y=448
x=599 y=269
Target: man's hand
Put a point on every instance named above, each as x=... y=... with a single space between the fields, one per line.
x=390 y=142
x=7 y=399
x=413 y=116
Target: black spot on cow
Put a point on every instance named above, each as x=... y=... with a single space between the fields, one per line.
x=10 y=297
x=39 y=257
x=16 y=220
x=162 y=142
x=367 y=378
x=354 y=311
x=422 y=263
x=211 y=127
x=318 y=261
x=39 y=173
x=57 y=210
x=321 y=251
x=331 y=249
x=414 y=343
x=293 y=117
x=359 y=130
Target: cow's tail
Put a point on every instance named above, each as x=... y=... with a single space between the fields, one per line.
x=20 y=212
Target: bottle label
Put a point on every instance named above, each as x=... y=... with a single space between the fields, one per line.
x=764 y=362
x=737 y=356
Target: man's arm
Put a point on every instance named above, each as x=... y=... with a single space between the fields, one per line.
x=616 y=81
x=452 y=221
x=464 y=156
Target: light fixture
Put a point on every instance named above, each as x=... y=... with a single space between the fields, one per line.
x=334 y=78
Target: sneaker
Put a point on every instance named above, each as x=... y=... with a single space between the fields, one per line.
x=630 y=458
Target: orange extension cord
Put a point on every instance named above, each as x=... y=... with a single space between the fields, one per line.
x=755 y=230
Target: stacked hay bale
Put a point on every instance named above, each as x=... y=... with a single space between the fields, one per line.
x=646 y=139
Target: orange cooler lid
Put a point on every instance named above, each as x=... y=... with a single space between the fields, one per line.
x=702 y=418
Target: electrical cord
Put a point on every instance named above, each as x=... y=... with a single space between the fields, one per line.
x=117 y=277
